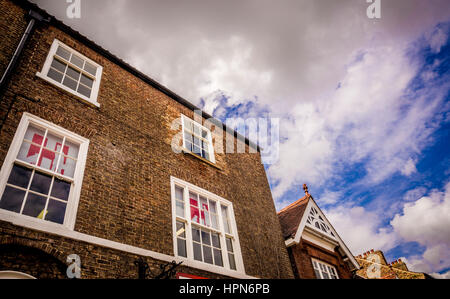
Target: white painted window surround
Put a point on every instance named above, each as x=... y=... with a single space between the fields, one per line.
x=44 y=168
x=197 y=139
x=324 y=270
x=72 y=72
x=187 y=218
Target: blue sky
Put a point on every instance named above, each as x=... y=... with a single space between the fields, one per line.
x=363 y=103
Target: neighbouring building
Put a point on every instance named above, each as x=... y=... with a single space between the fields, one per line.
x=374 y=266
x=315 y=249
x=89 y=173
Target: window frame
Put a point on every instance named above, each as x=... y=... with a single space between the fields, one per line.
x=327 y=266
x=209 y=139
x=75 y=190
x=189 y=260
x=43 y=74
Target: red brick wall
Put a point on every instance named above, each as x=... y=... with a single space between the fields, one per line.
x=302 y=253
x=125 y=195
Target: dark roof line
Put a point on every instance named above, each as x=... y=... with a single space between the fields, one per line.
x=115 y=59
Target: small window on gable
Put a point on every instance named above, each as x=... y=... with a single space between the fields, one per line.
x=197 y=139
x=73 y=72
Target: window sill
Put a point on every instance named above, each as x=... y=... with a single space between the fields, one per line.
x=189 y=153
x=80 y=97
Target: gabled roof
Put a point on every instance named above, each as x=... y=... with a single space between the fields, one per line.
x=293 y=220
x=291 y=216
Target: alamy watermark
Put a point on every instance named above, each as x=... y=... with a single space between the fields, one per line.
x=263 y=134
x=374 y=9
x=74 y=268
x=73 y=11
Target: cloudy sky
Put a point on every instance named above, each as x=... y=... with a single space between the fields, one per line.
x=363 y=103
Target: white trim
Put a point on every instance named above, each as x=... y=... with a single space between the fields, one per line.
x=74 y=196
x=96 y=85
x=188 y=187
x=67 y=233
x=15 y=275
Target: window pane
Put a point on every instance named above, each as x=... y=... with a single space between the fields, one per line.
x=20 y=176
x=90 y=68
x=215 y=240
x=232 y=261
x=218 y=257
x=59 y=66
x=181 y=246
x=12 y=199
x=56 y=211
x=179 y=208
x=214 y=221
x=86 y=81
x=317 y=274
x=84 y=90
x=196 y=235
x=229 y=245
x=48 y=160
x=77 y=61
x=195 y=215
x=70 y=83
x=41 y=183
x=325 y=275
x=205 y=214
x=63 y=53
x=206 y=238
x=34 y=206
x=207 y=255
x=67 y=166
x=180 y=230
x=55 y=75
x=212 y=206
x=73 y=73
x=60 y=189
x=197 y=251
x=225 y=219
x=29 y=153
x=71 y=149
x=179 y=193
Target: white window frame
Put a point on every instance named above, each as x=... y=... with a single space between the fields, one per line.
x=189 y=260
x=74 y=196
x=97 y=78
x=212 y=158
x=327 y=266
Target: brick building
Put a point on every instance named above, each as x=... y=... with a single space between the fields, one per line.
x=89 y=167
x=315 y=248
x=375 y=266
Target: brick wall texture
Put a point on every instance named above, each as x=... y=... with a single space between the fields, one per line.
x=302 y=253
x=125 y=195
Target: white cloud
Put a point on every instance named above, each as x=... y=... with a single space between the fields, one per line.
x=414 y=194
x=427 y=222
x=360 y=229
x=409 y=168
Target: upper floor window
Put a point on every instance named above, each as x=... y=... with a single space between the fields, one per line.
x=324 y=271
x=73 y=72
x=197 y=139
x=42 y=173
x=204 y=227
